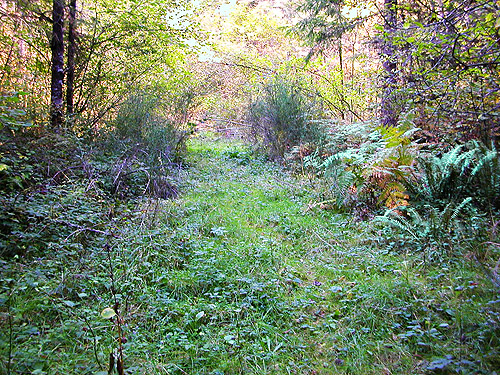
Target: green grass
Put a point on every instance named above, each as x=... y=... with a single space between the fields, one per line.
x=238 y=276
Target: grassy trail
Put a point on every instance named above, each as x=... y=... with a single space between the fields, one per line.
x=281 y=289
x=239 y=275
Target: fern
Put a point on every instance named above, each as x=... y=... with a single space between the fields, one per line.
x=393 y=195
x=369 y=164
x=409 y=224
x=341 y=187
x=442 y=177
x=450 y=214
x=467 y=170
x=432 y=230
x=484 y=178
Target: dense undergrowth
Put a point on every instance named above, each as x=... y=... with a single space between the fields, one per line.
x=241 y=273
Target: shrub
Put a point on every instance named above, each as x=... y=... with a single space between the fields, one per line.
x=12 y=116
x=282 y=117
x=149 y=141
x=140 y=119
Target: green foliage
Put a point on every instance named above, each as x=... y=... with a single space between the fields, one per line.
x=484 y=178
x=470 y=170
x=281 y=117
x=368 y=166
x=140 y=119
x=324 y=24
x=438 y=233
x=116 y=51
x=133 y=115
x=151 y=142
x=11 y=117
x=235 y=277
x=51 y=189
x=447 y=68
x=448 y=195
x=445 y=60
x=37 y=223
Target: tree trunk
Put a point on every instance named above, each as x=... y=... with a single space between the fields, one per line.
x=70 y=77
x=57 y=67
x=389 y=116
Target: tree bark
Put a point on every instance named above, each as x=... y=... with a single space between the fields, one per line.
x=389 y=116
x=70 y=77
x=57 y=65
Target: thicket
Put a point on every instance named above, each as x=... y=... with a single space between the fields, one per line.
x=282 y=116
x=431 y=157
x=58 y=189
x=127 y=116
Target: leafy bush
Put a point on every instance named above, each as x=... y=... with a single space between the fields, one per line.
x=12 y=116
x=142 y=119
x=149 y=138
x=282 y=117
x=64 y=216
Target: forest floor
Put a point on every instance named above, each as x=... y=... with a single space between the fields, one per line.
x=241 y=275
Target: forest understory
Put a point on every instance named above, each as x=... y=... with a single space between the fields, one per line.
x=240 y=274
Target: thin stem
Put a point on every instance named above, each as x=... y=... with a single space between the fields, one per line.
x=9 y=361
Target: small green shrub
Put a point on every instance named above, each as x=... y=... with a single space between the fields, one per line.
x=12 y=116
x=141 y=119
x=149 y=143
x=132 y=115
x=282 y=117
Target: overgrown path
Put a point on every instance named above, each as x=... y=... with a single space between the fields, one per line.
x=249 y=264
x=242 y=275
x=256 y=282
